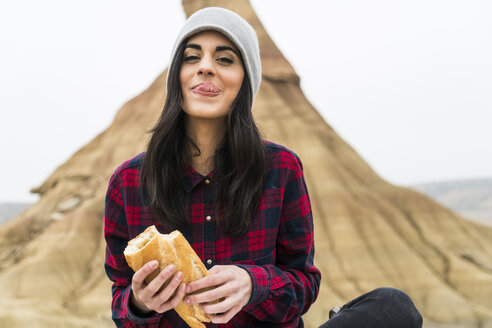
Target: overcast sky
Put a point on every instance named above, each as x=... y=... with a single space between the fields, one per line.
x=407 y=83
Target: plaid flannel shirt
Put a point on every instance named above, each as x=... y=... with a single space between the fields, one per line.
x=277 y=250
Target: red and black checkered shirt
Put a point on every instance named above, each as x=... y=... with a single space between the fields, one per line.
x=277 y=250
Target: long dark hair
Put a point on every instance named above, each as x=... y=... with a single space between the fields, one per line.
x=240 y=162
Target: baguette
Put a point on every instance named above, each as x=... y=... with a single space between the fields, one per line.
x=168 y=249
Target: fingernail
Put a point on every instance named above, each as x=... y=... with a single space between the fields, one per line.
x=154 y=264
x=179 y=275
x=187 y=301
x=170 y=267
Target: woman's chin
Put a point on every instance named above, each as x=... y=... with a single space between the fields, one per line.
x=206 y=113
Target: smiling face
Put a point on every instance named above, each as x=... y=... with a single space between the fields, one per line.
x=211 y=75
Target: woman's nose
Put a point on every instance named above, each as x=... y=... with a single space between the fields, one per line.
x=206 y=66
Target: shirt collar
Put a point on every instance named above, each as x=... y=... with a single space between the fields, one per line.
x=193 y=178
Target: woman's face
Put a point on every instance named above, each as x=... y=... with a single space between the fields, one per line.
x=211 y=75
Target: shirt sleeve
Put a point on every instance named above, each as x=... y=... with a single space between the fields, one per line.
x=284 y=291
x=118 y=271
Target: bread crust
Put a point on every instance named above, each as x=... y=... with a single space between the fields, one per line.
x=168 y=249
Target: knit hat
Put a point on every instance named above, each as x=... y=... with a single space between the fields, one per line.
x=235 y=28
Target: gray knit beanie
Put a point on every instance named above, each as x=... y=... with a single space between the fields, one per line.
x=234 y=27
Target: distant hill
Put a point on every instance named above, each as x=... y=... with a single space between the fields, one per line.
x=470 y=198
x=9 y=210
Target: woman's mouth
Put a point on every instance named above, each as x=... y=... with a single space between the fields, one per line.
x=206 y=89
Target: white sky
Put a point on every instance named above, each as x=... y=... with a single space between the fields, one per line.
x=407 y=83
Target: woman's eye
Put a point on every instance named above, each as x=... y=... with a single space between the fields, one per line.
x=191 y=58
x=225 y=60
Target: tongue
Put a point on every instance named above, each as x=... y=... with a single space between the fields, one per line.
x=208 y=87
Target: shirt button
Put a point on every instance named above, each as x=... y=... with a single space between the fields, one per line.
x=209 y=218
x=209 y=261
x=207 y=181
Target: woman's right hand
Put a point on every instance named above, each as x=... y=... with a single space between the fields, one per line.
x=146 y=297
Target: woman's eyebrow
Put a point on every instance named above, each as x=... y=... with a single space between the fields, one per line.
x=224 y=48
x=218 y=48
x=193 y=46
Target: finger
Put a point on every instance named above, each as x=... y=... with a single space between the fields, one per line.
x=167 y=293
x=221 y=307
x=224 y=317
x=202 y=283
x=172 y=303
x=178 y=298
x=208 y=296
x=154 y=286
x=142 y=273
x=212 y=280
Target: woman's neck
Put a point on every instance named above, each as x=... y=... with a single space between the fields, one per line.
x=206 y=134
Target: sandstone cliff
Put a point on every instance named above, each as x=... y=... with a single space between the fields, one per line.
x=368 y=233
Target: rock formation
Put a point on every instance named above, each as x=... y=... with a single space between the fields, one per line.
x=369 y=233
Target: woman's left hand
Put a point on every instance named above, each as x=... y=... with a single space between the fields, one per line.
x=231 y=283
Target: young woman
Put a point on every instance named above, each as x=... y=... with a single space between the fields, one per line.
x=240 y=201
